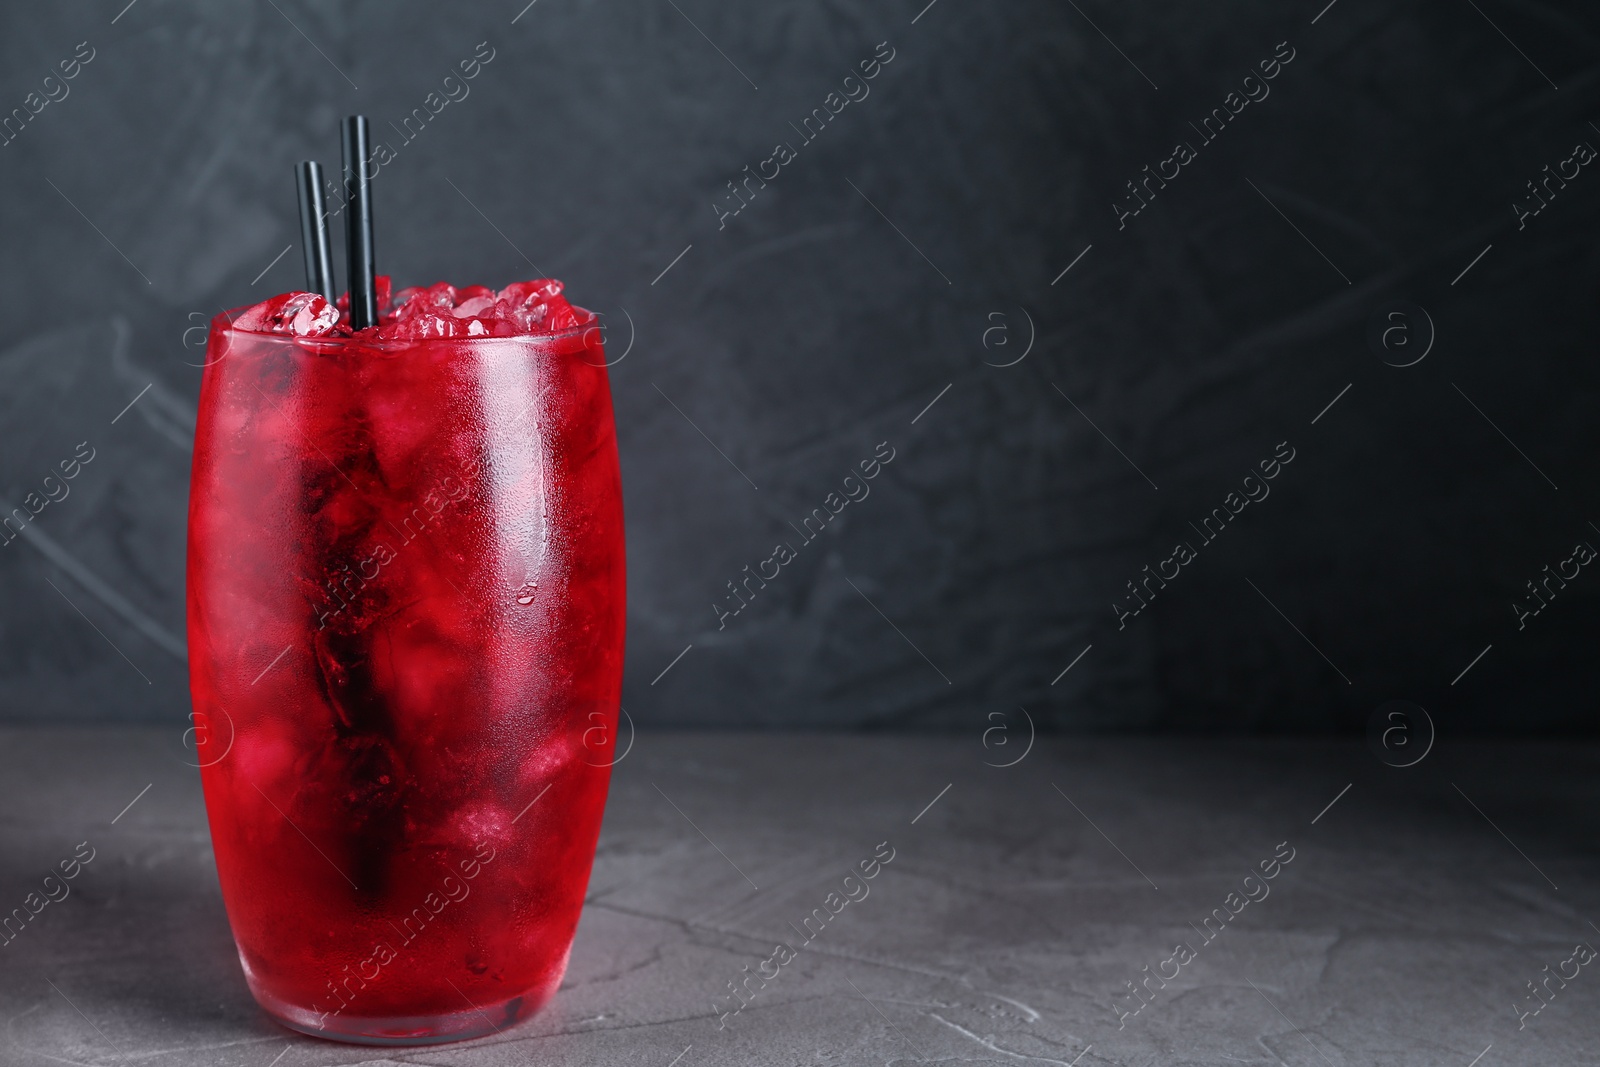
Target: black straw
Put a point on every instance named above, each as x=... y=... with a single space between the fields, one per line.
x=314 y=230
x=358 y=223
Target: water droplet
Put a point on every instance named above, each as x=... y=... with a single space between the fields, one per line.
x=525 y=594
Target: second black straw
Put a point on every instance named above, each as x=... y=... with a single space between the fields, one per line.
x=363 y=276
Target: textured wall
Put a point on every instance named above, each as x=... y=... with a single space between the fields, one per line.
x=903 y=254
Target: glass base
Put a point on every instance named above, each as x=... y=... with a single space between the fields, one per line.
x=432 y=1029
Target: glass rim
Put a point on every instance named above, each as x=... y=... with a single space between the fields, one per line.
x=223 y=323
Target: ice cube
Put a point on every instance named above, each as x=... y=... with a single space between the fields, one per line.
x=475 y=306
x=526 y=318
x=296 y=314
x=537 y=291
x=441 y=295
x=423 y=325
x=560 y=315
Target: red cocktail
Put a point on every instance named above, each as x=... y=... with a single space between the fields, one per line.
x=405 y=612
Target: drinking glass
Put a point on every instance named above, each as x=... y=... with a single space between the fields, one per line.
x=405 y=621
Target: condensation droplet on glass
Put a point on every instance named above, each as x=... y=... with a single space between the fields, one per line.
x=525 y=594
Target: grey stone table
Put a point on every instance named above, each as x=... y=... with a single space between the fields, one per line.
x=1407 y=912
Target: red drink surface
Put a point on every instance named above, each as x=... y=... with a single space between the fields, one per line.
x=405 y=621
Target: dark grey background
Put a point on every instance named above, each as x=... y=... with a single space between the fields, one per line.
x=812 y=328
